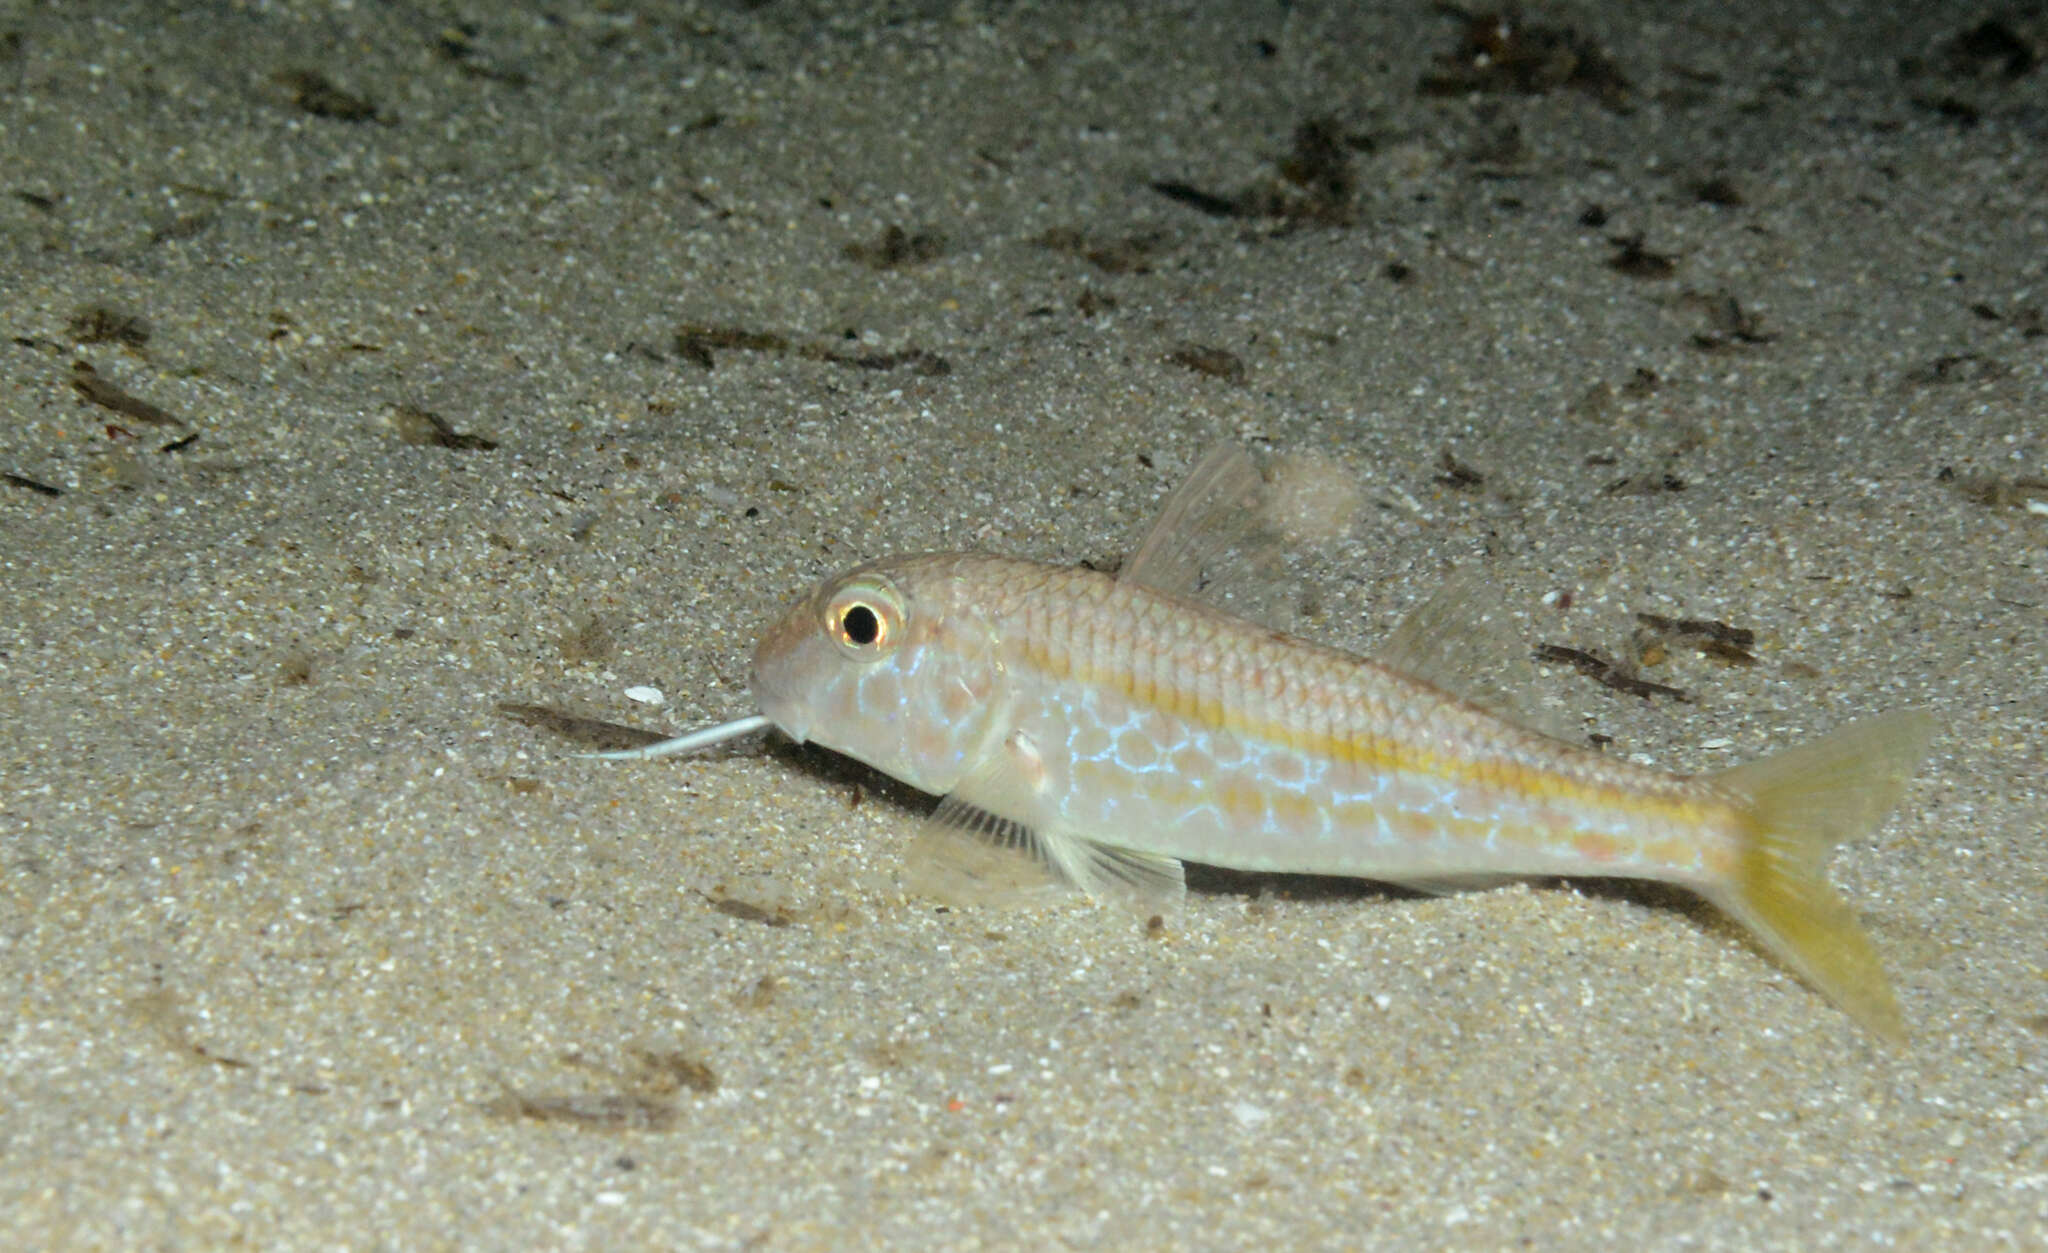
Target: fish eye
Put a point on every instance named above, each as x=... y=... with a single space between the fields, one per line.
x=865 y=619
x=859 y=625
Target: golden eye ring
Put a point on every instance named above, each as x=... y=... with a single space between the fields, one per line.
x=865 y=619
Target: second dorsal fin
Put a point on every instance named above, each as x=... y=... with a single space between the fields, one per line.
x=1460 y=642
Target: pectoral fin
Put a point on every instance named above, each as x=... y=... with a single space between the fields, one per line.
x=964 y=855
x=997 y=840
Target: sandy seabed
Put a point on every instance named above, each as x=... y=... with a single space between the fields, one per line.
x=370 y=368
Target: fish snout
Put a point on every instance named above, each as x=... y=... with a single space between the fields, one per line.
x=783 y=672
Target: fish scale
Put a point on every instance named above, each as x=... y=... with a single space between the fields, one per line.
x=1258 y=751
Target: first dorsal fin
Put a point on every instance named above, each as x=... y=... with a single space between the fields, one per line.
x=1215 y=540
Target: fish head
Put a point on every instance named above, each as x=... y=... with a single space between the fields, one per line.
x=891 y=663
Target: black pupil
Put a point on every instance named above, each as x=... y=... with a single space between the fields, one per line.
x=860 y=624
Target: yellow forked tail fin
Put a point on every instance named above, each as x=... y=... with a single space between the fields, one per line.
x=1804 y=802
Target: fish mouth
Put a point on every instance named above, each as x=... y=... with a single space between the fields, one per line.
x=792 y=718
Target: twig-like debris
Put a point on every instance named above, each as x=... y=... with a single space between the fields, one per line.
x=88 y=383
x=1608 y=673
